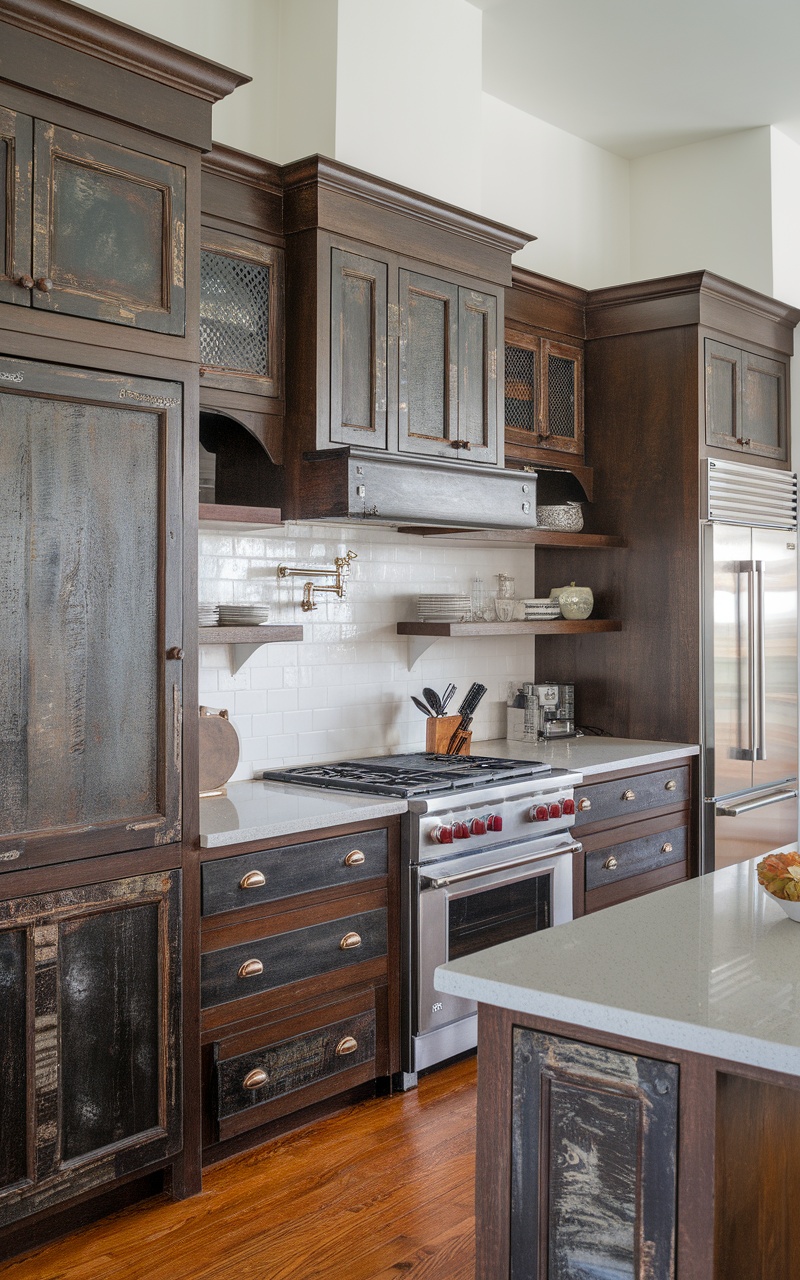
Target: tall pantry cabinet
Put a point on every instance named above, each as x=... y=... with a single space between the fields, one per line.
x=101 y=133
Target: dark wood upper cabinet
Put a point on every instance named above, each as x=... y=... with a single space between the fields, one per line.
x=109 y=232
x=16 y=153
x=91 y=1046
x=90 y=579
x=428 y=365
x=359 y=350
x=746 y=401
x=241 y=314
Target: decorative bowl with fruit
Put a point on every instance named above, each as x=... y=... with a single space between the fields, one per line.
x=779 y=877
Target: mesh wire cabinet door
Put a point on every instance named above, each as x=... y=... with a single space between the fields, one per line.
x=241 y=308
x=543 y=394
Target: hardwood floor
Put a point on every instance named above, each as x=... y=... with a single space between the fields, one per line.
x=380 y=1191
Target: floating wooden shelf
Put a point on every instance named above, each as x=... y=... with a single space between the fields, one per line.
x=221 y=516
x=516 y=537
x=423 y=634
x=244 y=641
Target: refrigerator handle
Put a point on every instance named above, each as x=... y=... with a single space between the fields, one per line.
x=760 y=744
x=747 y=567
x=733 y=810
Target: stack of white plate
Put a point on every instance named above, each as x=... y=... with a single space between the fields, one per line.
x=445 y=607
x=208 y=615
x=243 y=615
x=539 y=610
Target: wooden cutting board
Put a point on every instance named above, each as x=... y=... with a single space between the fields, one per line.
x=218 y=750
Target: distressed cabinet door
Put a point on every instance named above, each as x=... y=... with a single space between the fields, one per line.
x=241 y=314
x=477 y=367
x=109 y=231
x=562 y=397
x=15 y=207
x=359 y=349
x=594 y=1153
x=90 y=1016
x=428 y=365
x=90 y=525
x=764 y=384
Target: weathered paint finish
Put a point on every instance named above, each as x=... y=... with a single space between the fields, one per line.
x=104 y=1023
x=293 y=1064
x=359 y=334
x=89 y=736
x=477 y=359
x=13 y=1055
x=16 y=143
x=594 y=1147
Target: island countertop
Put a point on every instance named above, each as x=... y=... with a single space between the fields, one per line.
x=710 y=965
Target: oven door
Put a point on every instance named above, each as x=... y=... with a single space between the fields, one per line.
x=469 y=903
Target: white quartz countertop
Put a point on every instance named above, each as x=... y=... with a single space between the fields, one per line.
x=259 y=810
x=588 y=755
x=709 y=965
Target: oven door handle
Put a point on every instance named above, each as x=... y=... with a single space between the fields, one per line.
x=431 y=882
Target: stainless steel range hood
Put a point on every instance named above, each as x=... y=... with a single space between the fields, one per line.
x=359 y=484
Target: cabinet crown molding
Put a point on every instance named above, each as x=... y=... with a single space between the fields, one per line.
x=699 y=284
x=321 y=172
x=123 y=46
x=238 y=166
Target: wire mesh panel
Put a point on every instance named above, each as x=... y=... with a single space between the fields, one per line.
x=234 y=313
x=520 y=396
x=561 y=396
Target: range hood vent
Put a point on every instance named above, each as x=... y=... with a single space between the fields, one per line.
x=738 y=494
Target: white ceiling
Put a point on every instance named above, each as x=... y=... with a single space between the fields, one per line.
x=638 y=76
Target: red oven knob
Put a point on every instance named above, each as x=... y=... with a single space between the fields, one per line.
x=539 y=813
x=461 y=831
x=494 y=822
x=478 y=827
x=568 y=807
x=555 y=809
x=442 y=835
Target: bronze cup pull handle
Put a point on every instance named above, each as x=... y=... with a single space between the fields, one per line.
x=584 y=804
x=44 y=284
x=355 y=858
x=253 y=880
x=255 y=1079
x=629 y=795
x=345 y=1046
x=671 y=785
x=349 y=941
x=251 y=969
x=666 y=848
x=610 y=864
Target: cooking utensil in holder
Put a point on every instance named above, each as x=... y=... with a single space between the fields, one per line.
x=438 y=732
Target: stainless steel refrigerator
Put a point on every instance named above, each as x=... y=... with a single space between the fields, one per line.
x=750 y=710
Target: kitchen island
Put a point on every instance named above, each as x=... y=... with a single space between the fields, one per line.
x=638 y=1114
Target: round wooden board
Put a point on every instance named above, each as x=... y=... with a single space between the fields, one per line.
x=219 y=751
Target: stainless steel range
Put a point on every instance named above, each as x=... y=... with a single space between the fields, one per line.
x=487 y=857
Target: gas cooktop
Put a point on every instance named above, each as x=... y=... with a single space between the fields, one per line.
x=418 y=774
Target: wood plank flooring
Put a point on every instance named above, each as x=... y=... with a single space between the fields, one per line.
x=381 y=1191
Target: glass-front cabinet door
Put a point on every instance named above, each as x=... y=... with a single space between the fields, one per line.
x=91 y=623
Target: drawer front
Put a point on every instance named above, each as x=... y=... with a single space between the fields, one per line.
x=253 y=967
x=265 y=1074
x=230 y=883
x=634 y=857
x=631 y=795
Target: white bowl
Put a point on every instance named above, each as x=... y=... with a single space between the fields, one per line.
x=792 y=909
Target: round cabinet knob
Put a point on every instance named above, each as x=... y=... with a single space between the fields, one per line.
x=175 y=654
x=355 y=858
x=253 y=880
x=44 y=284
x=255 y=1079
x=25 y=282
x=251 y=969
x=666 y=848
x=610 y=864
x=584 y=805
x=350 y=941
x=345 y=1046
x=671 y=785
x=629 y=795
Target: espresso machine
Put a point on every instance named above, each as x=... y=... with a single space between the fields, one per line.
x=542 y=711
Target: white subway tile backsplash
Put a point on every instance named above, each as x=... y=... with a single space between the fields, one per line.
x=346 y=690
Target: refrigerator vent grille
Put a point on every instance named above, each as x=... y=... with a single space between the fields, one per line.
x=738 y=494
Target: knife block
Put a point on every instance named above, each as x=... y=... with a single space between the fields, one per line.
x=438 y=732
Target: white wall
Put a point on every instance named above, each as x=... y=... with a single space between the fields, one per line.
x=302 y=65
x=707 y=205
x=408 y=94
x=570 y=194
x=785 y=173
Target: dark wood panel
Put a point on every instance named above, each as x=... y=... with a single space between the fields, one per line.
x=594 y=1155
x=110 y=1028
x=539 y=302
x=428 y=364
x=359 y=349
x=109 y=232
x=723 y=394
x=16 y=157
x=764 y=395
x=292 y=957
x=14 y=1022
x=292 y=870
